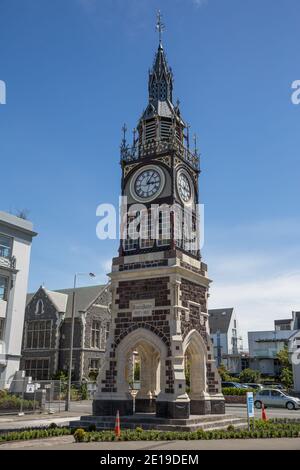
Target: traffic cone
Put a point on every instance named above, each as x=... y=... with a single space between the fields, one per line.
x=263 y=413
x=117 y=425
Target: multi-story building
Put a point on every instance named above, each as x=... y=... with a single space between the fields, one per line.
x=225 y=338
x=15 y=243
x=265 y=345
x=47 y=330
x=294 y=350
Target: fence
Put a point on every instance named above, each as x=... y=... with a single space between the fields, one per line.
x=40 y=396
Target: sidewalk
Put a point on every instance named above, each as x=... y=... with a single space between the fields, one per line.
x=11 y=423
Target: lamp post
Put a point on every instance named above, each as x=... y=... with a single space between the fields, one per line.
x=68 y=398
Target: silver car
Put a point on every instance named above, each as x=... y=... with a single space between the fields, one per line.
x=272 y=397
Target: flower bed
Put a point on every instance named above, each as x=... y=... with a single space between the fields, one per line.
x=261 y=430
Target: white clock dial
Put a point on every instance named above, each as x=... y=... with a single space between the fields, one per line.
x=147 y=183
x=184 y=187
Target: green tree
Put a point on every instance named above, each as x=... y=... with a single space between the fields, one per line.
x=224 y=374
x=137 y=371
x=283 y=357
x=286 y=376
x=249 y=376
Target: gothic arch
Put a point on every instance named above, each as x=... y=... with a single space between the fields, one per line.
x=143 y=338
x=194 y=346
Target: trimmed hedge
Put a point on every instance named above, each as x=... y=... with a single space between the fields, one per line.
x=51 y=431
x=12 y=402
x=262 y=430
x=236 y=391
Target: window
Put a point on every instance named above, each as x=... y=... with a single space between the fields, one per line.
x=264 y=393
x=99 y=334
x=145 y=230
x=38 y=334
x=5 y=246
x=275 y=393
x=96 y=327
x=3 y=287
x=107 y=332
x=164 y=227
x=38 y=369
x=131 y=240
x=2 y=322
x=94 y=365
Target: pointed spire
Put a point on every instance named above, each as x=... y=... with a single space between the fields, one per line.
x=160 y=77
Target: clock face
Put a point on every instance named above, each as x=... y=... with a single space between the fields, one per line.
x=184 y=187
x=148 y=183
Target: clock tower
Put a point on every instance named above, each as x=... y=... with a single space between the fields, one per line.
x=159 y=283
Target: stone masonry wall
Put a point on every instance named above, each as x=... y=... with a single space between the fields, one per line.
x=124 y=323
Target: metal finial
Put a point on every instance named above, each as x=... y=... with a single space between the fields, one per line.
x=195 y=144
x=124 y=129
x=134 y=134
x=188 y=135
x=159 y=26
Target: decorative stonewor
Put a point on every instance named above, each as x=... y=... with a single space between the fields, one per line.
x=159 y=284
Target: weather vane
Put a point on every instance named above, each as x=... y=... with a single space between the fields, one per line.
x=159 y=26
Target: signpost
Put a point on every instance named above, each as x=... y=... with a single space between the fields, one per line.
x=250 y=407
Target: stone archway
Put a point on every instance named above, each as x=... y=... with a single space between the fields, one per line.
x=194 y=348
x=153 y=354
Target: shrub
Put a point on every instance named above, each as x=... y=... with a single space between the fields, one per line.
x=235 y=391
x=92 y=427
x=12 y=402
x=139 y=429
x=53 y=426
x=249 y=376
x=79 y=435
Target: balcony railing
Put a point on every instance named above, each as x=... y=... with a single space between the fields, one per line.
x=156 y=147
x=7 y=262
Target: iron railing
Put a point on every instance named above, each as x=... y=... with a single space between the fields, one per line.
x=130 y=154
x=8 y=262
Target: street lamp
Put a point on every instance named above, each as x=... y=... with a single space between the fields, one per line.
x=68 y=398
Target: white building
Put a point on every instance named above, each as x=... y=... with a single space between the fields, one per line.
x=264 y=347
x=225 y=338
x=294 y=349
x=15 y=243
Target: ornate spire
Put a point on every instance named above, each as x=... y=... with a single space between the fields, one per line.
x=160 y=77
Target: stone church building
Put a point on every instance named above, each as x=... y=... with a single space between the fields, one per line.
x=47 y=329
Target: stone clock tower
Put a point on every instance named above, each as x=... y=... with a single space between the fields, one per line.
x=159 y=283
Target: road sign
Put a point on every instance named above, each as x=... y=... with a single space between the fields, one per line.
x=30 y=388
x=250 y=405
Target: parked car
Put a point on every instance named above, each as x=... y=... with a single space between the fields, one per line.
x=254 y=386
x=277 y=398
x=274 y=385
x=231 y=385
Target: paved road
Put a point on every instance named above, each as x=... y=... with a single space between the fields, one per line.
x=11 y=422
x=67 y=443
x=241 y=410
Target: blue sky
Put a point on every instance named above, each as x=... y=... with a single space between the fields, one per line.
x=75 y=70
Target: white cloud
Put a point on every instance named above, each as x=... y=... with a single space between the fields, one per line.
x=200 y=3
x=258 y=302
x=255 y=269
